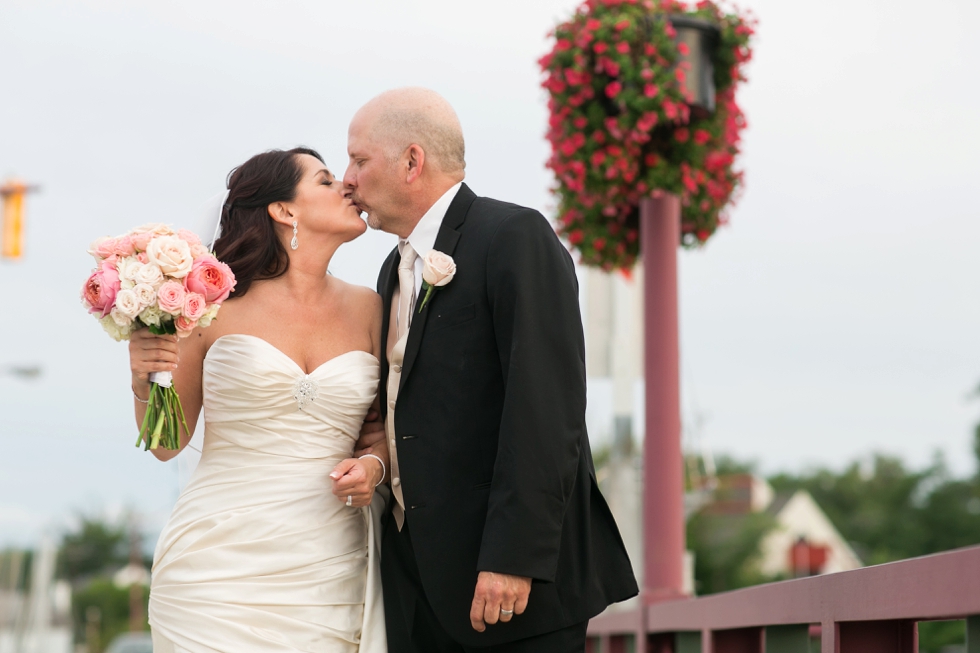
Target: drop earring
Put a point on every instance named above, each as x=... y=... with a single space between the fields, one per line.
x=294 y=243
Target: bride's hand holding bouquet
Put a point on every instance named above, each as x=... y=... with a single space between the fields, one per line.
x=153 y=286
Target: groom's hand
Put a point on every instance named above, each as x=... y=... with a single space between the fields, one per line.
x=496 y=592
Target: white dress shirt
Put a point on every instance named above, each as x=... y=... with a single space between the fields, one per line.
x=423 y=237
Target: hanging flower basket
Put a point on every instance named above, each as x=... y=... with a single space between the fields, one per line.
x=634 y=112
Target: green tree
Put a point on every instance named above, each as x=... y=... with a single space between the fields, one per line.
x=878 y=511
x=88 y=557
x=100 y=612
x=94 y=548
x=726 y=550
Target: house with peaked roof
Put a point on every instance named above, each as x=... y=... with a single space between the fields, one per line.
x=802 y=541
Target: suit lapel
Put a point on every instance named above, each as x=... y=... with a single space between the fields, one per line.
x=446 y=243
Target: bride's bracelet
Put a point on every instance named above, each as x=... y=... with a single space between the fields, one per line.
x=383 y=469
x=137 y=397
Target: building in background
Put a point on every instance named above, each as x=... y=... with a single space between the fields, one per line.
x=796 y=538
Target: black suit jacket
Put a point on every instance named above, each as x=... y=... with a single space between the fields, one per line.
x=493 y=452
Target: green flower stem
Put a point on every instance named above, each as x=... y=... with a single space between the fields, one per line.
x=175 y=414
x=163 y=420
x=147 y=418
x=171 y=420
x=183 y=419
x=429 y=289
x=165 y=416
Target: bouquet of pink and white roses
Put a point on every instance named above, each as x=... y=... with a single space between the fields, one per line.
x=164 y=280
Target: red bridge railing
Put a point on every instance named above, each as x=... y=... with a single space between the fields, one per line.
x=870 y=610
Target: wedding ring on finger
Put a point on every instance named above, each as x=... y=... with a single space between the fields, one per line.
x=350 y=501
x=506 y=613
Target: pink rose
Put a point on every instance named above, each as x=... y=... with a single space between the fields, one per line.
x=170 y=298
x=184 y=326
x=99 y=291
x=199 y=250
x=194 y=306
x=93 y=249
x=188 y=237
x=123 y=246
x=140 y=241
x=104 y=248
x=211 y=278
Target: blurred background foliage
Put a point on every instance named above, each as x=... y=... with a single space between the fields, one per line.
x=884 y=509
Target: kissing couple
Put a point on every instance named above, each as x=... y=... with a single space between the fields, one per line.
x=456 y=391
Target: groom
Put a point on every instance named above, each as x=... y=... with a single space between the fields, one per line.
x=496 y=537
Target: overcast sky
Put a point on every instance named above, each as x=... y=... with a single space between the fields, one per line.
x=837 y=316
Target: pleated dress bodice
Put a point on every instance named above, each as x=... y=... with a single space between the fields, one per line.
x=258 y=553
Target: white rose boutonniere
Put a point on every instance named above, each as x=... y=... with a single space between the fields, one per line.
x=438 y=269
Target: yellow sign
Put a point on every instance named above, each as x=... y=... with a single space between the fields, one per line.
x=12 y=243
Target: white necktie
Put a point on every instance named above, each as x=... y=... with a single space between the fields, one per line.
x=405 y=308
x=406 y=287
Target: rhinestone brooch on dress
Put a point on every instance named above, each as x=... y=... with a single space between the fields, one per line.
x=305 y=391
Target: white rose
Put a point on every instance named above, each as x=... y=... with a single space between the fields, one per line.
x=120 y=319
x=127 y=304
x=151 y=316
x=128 y=267
x=438 y=269
x=114 y=330
x=155 y=228
x=145 y=293
x=172 y=254
x=209 y=315
x=149 y=274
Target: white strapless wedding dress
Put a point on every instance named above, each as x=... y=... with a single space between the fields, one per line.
x=258 y=554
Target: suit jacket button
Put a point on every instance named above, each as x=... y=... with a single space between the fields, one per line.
x=396 y=481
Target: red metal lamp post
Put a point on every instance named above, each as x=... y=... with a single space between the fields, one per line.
x=663 y=482
x=660 y=236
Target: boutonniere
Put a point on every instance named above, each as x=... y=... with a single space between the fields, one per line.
x=438 y=269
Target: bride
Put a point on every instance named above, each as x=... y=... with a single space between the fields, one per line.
x=258 y=555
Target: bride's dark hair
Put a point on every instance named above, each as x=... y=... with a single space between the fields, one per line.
x=248 y=242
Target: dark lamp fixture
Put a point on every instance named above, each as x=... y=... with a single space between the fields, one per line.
x=701 y=38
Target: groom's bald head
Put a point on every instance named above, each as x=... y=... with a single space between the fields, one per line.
x=404 y=116
x=405 y=151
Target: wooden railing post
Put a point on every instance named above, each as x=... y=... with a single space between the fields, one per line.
x=829 y=637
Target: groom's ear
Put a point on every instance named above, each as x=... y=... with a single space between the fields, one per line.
x=416 y=162
x=279 y=213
